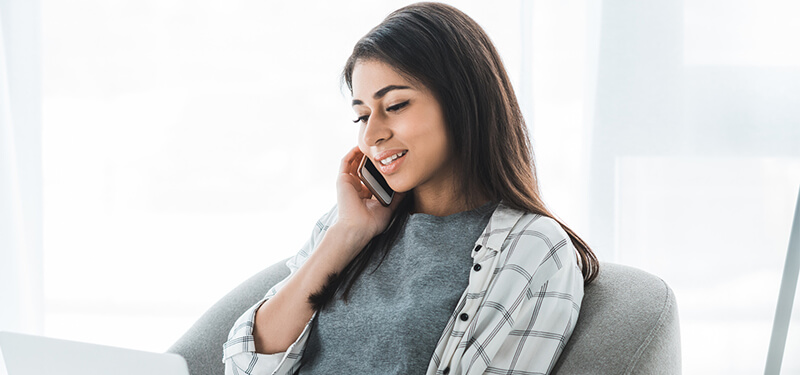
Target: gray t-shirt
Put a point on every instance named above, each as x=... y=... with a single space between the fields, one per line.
x=396 y=314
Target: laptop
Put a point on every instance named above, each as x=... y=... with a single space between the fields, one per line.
x=783 y=312
x=37 y=355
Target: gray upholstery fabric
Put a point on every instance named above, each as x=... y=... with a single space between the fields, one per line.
x=628 y=325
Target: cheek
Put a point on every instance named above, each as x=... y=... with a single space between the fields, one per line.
x=436 y=141
x=361 y=145
x=362 y=148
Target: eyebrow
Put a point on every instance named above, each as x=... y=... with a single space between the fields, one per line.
x=380 y=93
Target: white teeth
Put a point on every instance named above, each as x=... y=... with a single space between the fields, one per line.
x=390 y=159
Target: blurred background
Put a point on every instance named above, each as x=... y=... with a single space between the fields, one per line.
x=156 y=153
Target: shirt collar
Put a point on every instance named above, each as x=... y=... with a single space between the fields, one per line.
x=500 y=224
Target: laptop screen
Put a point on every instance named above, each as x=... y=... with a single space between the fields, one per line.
x=36 y=355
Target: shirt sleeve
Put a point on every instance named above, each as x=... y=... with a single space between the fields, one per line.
x=239 y=353
x=530 y=309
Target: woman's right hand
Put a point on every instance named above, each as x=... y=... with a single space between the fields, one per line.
x=359 y=211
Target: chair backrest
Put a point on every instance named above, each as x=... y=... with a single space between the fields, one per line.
x=628 y=325
x=201 y=345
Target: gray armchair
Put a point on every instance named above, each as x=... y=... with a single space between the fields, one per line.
x=628 y=325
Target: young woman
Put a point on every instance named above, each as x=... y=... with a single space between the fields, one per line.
x=466 y=272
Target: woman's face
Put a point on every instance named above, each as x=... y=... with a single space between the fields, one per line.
x=402 y=130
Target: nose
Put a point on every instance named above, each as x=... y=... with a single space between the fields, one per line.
x=376 y=130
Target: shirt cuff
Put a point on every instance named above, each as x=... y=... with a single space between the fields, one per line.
x=240 y=339
x=241 y=350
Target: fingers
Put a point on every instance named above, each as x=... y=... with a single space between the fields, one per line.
x=351 y=161
x=349 y=166
x=364 y=193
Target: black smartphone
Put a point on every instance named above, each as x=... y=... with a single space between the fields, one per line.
x=375 y=181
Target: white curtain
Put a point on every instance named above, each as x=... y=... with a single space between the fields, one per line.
x=667 y=133
x=695 y=163
x=20 y=168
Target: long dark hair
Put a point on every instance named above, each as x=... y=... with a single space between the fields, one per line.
x=449 y=53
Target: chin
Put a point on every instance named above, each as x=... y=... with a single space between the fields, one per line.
x=399 y=187
x=399 y=190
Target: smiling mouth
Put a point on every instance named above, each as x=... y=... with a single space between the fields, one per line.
x=392 y=158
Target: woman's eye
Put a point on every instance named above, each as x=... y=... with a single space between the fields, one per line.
x=361 y=119
x=397 y=106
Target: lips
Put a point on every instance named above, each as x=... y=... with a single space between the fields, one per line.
x=393 y=158
x=390 y=159
x=385 y=154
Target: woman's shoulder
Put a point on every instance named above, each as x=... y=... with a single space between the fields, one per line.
x=530 y=223
x=536 y=237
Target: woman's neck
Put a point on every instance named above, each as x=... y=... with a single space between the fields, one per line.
x=443 y=205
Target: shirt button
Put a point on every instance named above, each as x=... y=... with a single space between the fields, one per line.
x=477 y=247
x=464 y=317
x=477 y=267
x=446 y=371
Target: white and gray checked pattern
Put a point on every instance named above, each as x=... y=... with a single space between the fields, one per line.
x=514 y=318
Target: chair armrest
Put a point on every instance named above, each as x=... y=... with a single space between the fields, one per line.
x=201 y=345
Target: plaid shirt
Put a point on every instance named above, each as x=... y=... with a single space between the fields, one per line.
x=515 y=316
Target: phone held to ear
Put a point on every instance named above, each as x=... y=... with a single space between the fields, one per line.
x=375 y=181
